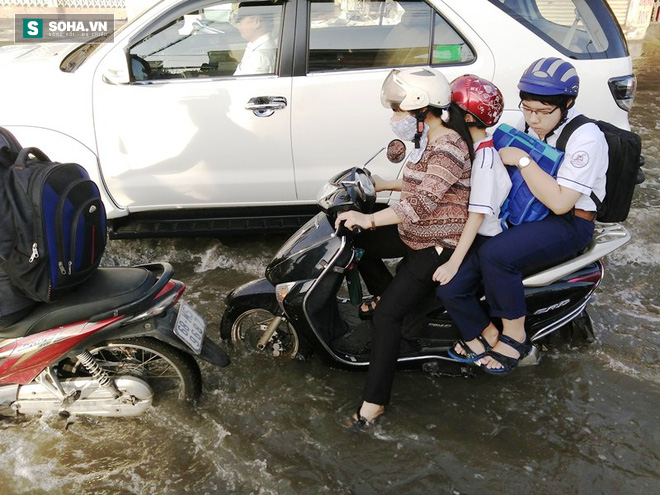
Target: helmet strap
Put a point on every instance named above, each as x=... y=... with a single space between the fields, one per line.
x=564 y=117
x=421 y=117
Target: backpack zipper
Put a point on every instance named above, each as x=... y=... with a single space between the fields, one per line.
x=65 y=265
x=35 y=253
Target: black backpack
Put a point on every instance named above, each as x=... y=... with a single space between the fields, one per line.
x=623 y=171
x=58 y=223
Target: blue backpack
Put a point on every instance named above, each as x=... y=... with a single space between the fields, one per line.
x=520 y=205
x=56 y=220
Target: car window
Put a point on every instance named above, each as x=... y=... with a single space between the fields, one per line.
x=578 y=28
x=358 y=35
x=221 y=39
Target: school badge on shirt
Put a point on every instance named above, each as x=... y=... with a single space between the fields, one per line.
x=580 y=159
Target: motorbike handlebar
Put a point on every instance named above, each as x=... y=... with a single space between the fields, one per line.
x=342 y=231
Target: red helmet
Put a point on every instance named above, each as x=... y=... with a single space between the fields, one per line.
x=479 y=97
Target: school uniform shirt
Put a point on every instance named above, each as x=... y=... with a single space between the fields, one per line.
x=490 y=184
x=585 y=161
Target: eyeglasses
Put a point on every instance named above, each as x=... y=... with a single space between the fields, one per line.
x=539 y=113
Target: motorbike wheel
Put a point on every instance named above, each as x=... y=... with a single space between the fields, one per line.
x=248 y=326
x=171 y=373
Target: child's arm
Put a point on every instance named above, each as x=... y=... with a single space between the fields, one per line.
x=444 y=273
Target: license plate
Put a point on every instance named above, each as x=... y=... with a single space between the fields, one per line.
x=190 y=327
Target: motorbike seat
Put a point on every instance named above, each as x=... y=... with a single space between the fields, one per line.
x=109 y=288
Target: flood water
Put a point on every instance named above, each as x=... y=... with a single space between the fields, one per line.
x=585 y=421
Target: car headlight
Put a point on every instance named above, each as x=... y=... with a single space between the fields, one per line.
x=623 y=90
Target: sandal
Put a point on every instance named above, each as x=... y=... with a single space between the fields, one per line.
x=368 y=307
x=508 y=362
x=357 y=422
x=470 y=356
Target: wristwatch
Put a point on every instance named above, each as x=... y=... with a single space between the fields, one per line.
x=523 y=162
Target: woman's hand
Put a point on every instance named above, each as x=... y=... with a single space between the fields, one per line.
x=353 y=219
x=444 y=273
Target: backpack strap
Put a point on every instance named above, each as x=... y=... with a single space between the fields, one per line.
x=23 y=155
x=566 y=133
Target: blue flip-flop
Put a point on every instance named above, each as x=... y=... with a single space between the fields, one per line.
x=470 y=356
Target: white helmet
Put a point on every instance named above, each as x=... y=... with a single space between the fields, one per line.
x=415 y=88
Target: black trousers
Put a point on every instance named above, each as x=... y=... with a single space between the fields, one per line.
x=411 y=283
x=379 y=244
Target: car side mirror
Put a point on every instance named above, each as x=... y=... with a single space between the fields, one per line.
x=396 y=151
x=115 y=69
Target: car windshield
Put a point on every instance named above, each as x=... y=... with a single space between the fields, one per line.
x=580 y=29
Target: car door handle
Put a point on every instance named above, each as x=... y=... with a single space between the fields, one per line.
x=265 y=106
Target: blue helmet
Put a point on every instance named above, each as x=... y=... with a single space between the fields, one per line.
x=550 y=76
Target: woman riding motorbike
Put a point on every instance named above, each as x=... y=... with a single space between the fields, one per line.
x=430 y=217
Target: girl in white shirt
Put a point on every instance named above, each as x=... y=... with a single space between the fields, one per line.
x=482 y=104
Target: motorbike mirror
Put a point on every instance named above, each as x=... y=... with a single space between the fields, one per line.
x=396 y=151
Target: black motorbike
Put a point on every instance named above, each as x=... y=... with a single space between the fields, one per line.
x=311 y=293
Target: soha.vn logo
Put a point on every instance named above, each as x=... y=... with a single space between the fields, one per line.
x=33 y=28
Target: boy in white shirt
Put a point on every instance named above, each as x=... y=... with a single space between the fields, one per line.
x=548 y=88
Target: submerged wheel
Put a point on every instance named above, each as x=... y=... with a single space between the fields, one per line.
x=249 y=326
x=171 y=373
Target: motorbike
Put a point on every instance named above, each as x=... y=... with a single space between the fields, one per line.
x=113 y=347
x=309 y=297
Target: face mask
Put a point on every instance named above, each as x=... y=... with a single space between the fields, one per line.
x=405 y=128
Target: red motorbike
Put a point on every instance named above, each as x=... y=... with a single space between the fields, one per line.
x=113 y=347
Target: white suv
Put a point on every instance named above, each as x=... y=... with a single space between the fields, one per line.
x=181 y=141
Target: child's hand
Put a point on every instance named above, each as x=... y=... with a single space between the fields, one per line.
x=444 y=273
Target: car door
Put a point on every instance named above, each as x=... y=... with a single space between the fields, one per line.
x=190 y=129
x=341 y=60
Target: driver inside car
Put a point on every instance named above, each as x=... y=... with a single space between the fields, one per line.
x=255 y=23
